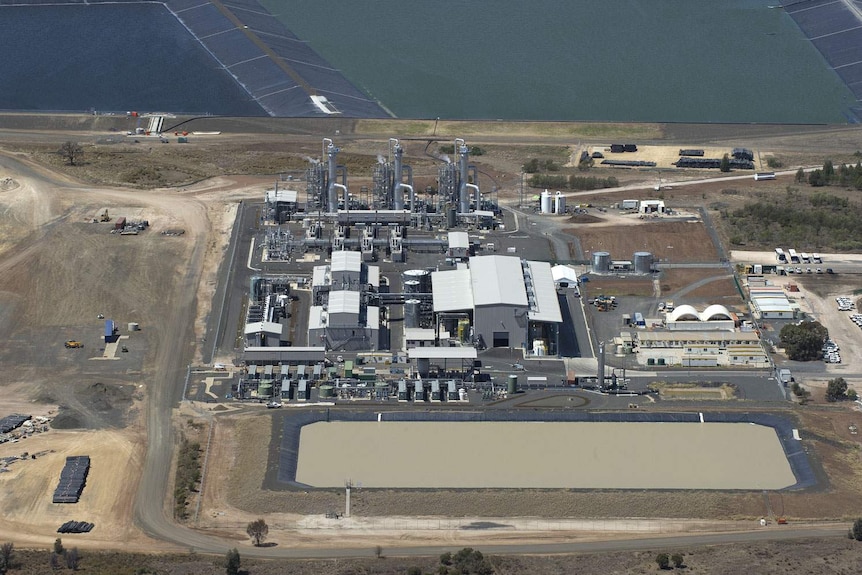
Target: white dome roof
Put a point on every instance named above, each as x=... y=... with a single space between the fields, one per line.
x=716 y=311
x=684 y=313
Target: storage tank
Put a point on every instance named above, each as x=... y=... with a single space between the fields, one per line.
x=559 y=203
x=134 y=326
x=601 y=262
x=642 y=262
x=264 y=390
x=512 y=387
x=423 y=366
x=451 y=217
x=411 y=313
x=411 y=286
x=327 y=392
x=546 y=202
x=462 y=394
x=422 y=276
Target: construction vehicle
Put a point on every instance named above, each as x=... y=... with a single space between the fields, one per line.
x=72 y=344
x=105 y=217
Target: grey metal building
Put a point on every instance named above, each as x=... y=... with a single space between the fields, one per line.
x=510 y=302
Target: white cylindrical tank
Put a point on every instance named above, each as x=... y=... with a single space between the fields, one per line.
x=559 y=203
x=546 y=203
x=462 y=394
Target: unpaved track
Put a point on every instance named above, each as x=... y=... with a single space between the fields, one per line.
x=175 y=342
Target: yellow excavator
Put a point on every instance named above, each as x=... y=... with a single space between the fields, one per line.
x=105 y=217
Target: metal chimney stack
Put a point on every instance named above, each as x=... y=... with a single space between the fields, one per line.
x=397 y=190
x=332 y=168
x=463 y=158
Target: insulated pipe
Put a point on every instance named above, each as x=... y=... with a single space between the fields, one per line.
x=475 y=188
x=400 y=197
x=346 y=195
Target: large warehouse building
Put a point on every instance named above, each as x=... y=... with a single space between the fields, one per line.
x=510 y=302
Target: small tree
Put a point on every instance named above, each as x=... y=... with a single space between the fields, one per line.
x=836 y=389
x=55 y=561
x=800 y=176
x=724 y=165
x=446 y=558
x=378 y=551
x=73 y=559
x=232 y=561
x=803 y=342
x=677 y=560
x=58 y=546
x=852 y=395
x=7 y=555
x=71 y=152
x=662 y=559
x=257 y=530
x=857 y=530
x=414 y=571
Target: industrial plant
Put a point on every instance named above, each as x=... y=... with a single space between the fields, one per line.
x=388 y=292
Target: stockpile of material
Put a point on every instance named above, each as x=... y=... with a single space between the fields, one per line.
x=72 y=479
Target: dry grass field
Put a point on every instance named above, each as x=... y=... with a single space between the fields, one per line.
x=833 y=556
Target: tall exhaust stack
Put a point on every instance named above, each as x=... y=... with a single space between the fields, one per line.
x=463 y=158
x=332 y=168
x=397 y=191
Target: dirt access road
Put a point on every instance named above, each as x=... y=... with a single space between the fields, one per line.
x=58 y=272
x=61 y=271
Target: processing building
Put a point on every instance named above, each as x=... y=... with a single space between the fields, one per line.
x=341 y=318
x=509 y=302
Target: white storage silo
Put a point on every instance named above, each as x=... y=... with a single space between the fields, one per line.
x=546 y=203
x=559 y=203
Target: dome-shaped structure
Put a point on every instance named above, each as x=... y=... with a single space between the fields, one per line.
x=716 y=312
x=684 y=313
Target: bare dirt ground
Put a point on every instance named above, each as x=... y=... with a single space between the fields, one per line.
x=676 y=242
x=58 y=271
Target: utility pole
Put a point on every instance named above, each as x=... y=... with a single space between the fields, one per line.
x=347 y=485
x=521 y=190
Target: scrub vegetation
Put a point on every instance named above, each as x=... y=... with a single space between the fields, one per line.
x=821 y=220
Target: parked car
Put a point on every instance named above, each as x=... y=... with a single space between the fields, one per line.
x=73 y=344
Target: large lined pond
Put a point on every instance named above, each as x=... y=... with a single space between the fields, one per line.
x=552 y=455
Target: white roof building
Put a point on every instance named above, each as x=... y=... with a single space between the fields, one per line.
x=511 y=300
x=565 y=274
x=714 y=317
x=281 y=196
x=452 y=290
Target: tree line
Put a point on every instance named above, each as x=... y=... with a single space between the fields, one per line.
x=572 y=182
